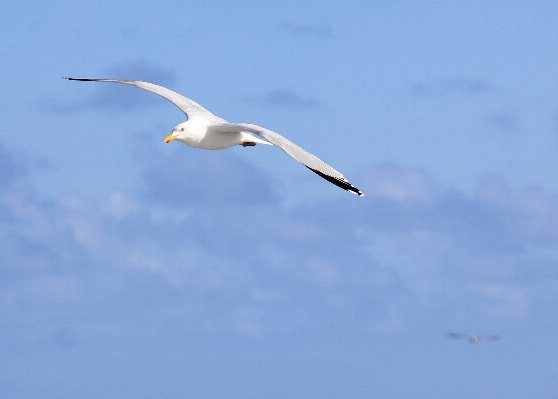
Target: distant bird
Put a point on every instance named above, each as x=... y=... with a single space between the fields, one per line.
x=207 y=131
x=474 y=338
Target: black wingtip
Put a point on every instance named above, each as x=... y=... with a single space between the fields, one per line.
x=80 y=79
x=344 y=184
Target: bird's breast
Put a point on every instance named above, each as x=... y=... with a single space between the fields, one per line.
x=219 y=141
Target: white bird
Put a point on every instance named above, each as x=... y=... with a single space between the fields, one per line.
x=474 y=338
x=205 y=130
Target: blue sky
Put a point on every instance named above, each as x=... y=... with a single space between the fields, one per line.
x=134 y=269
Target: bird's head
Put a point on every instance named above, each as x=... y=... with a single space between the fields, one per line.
x=179 y=132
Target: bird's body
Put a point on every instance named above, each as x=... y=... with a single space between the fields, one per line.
x=207 y=131
x=198 y=133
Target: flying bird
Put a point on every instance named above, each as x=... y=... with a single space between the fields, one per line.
x=204 y=130
x=474 y=338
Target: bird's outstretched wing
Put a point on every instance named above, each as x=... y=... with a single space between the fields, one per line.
x=311 y=161
x=189 y=107
x=489 y=337
x=458 y=336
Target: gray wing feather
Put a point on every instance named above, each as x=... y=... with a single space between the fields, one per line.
x=189 y=107
x=304 y=157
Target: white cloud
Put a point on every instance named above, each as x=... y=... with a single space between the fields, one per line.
x=369 y=267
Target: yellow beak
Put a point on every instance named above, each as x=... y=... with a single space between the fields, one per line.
x=169 y=139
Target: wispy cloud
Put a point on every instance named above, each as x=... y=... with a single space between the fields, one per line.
x=310 y=30
x=10 y=169
x=505 y=122
x=499 y=300
x=285 y=98
x=398 y=184
x=464 y=86
x=114 y=96
x=64 y=338
x=15 y=166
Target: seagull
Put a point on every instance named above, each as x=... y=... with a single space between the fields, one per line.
x=207 y=131
x=474 y=338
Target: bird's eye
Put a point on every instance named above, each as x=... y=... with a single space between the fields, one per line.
x=181 y=129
